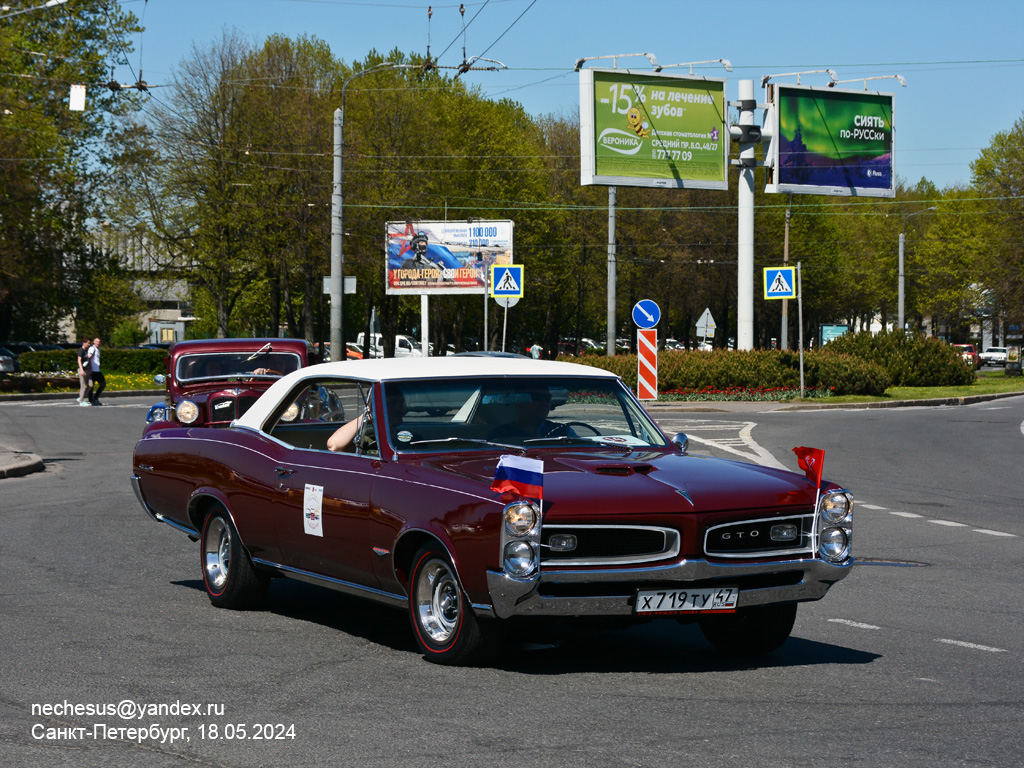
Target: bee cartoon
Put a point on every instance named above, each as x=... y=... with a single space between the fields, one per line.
x=641 y=127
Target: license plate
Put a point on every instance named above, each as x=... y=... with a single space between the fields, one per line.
x=717 y=599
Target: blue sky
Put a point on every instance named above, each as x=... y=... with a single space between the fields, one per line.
x=963 y=61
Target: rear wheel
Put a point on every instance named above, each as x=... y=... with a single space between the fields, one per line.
x=446 y=629
x=229 y=576
x=750 y=631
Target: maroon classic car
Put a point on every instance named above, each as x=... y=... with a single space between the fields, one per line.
x=211 y=382
x=474 y=491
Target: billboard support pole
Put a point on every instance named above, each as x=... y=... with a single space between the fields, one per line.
x=610 y=346
x=425 y=324
x=745 y=230
x=800 y=322
x=487 y=292
x=784 y=328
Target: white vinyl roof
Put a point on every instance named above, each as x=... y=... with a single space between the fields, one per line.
x=398 y=368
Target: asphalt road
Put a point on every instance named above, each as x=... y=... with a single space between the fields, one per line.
x=914 y=660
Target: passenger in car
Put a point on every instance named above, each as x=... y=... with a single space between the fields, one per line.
x=344 y=437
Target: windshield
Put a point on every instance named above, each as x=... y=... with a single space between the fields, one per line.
x=218 y=366
x=484 y=413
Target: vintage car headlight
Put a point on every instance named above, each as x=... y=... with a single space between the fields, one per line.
x=520 y=519
x=834 y=544
x=519 y=558
x=187 y=411
x=836 y=507
x=290 y=413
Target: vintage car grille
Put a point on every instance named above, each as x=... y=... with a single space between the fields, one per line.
x=761 y=537
x=606 y=544
x=224 y=410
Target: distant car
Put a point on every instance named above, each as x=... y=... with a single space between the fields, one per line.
x=968 y=353
x=8 y=361
x=479 y=490
x=211 y=382
x=993 y=356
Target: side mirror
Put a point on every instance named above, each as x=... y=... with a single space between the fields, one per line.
x=160 y=379
x=681 y=441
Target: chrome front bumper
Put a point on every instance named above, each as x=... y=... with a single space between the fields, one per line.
x=810 y=579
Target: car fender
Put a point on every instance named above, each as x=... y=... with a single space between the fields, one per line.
x=409 y=541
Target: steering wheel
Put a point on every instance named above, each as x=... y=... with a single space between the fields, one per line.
x=563 y=429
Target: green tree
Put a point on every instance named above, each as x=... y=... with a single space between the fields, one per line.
x=998 y=177
x=52 y=159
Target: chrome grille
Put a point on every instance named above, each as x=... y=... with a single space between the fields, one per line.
x=754 y=538
x=607 y=544
x=222 y=410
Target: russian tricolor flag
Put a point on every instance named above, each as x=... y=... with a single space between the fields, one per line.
x=519 y=475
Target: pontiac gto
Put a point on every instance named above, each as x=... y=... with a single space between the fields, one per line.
x=616 y=520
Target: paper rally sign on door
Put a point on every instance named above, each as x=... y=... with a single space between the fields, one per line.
x=313 y=510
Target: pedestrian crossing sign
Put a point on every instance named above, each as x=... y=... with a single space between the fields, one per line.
x=779 y=283
x=507 y=280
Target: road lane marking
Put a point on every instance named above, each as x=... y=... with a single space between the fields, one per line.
x=862 y=505
x=905 y=514
x=972 y=646
x=855 y=624
x=987 y=532
x=948 y=523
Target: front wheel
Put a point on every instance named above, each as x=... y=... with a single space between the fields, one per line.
x=447 y=631
x=750 y=631
x=229 y=576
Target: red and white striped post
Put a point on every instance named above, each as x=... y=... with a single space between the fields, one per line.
x=647 y=364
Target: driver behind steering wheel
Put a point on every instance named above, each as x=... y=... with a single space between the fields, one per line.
x=532 y=418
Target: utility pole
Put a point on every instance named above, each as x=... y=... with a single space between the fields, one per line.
x=784 y=329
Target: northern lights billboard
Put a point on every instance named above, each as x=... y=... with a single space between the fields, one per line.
x=831 y=142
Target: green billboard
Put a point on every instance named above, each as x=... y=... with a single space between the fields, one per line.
x=831 y=142
x=652 y=130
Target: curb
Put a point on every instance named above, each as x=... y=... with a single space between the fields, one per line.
x=24 y=464
x=9 y=398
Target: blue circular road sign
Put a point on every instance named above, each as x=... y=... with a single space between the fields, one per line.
x=646 y=313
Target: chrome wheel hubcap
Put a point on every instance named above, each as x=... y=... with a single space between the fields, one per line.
x=217 y=553
x=438 y=601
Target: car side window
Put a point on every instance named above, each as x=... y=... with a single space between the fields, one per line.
x=317 y=409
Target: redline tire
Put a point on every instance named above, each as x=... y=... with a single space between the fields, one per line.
x=230 y=579
x=750 y=631
x=446 y=629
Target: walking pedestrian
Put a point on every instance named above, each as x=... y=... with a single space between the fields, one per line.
x=97 y=375
x=84 y=374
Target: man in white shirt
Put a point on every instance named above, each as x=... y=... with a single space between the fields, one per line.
x=98 y=379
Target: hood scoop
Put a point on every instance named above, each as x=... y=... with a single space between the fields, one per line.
x=607 y=466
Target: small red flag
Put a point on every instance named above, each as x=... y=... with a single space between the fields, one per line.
x=812 y=462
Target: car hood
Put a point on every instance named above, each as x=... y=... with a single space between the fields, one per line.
x=648 y=482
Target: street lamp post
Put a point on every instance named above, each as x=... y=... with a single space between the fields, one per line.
x=336 y=282
x=902 y=289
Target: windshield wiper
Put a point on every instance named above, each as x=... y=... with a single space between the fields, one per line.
x=473 y=440
x=577 y=438
x=261 y=351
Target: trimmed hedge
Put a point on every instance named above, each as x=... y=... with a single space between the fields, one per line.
x=112 y=360
x=911 y=360
x=721 y=369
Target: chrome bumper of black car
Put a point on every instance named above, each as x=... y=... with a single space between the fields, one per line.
x=613 y=592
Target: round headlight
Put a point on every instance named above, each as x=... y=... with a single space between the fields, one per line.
x=519 y=559
x=834 y=544
x=290 y=413
x=187 y=411
x=520 y=519
x=836 y=508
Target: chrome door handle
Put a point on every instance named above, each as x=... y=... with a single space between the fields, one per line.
x=284 y=471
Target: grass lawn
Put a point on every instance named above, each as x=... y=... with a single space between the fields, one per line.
x=987 y=383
